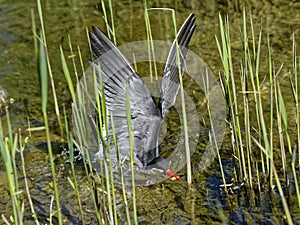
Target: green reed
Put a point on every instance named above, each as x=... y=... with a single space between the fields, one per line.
x=45 y=71
x=110 y=26
x=294 y=86
x=73 y=183
x=229 y=90
x=250 y=133
x=48 y=66
x=184 y=118
x=9 y=148
x=79 y=125
x=22 y=146
x=151 y=50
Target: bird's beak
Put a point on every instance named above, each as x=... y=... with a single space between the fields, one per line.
x=172 y=174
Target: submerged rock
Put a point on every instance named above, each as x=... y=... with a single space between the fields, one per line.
x=3 y=100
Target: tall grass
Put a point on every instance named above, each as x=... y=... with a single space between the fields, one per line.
x=251 y=168
x=44 y=72
x=9 y=149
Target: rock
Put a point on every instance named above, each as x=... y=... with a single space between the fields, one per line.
x=3 y=100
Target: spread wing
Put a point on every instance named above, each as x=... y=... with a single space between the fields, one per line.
x=116 y=71
x=146 y=118
x=170 y=80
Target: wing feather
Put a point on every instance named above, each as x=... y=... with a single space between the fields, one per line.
x=170 y=80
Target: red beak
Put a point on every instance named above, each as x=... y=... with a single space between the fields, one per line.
x=172 y=174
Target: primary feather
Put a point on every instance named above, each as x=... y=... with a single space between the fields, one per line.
x=146 y=116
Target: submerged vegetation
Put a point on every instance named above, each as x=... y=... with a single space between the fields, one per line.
x=261 y=130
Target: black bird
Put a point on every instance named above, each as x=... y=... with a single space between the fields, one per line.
x=146 y=116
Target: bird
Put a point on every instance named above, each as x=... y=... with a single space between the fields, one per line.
x=120 y=79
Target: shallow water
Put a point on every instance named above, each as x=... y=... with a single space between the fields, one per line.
x=168 y=202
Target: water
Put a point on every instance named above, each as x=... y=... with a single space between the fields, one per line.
x=161 y=203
